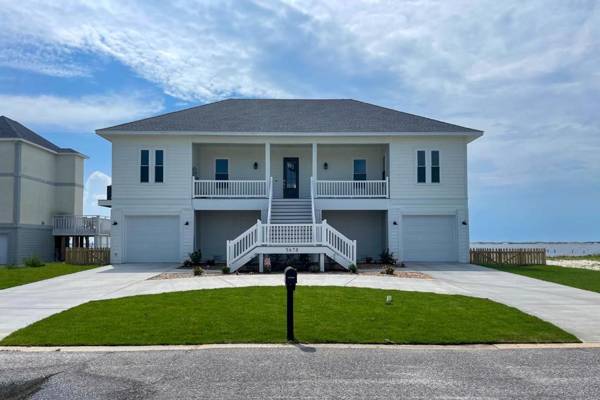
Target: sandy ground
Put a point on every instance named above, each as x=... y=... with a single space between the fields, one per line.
x=585 y=264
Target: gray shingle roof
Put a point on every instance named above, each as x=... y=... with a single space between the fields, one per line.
x=11 y=129
x=277 y=115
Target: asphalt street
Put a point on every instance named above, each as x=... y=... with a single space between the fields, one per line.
x=303 y=373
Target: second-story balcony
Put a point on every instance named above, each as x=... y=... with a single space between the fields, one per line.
x=80 y=225
x=366 y=189
x=210 y=188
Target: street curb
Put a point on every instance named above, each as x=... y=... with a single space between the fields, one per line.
x=302 y=347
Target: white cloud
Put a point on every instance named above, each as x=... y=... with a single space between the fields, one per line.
x=84 y=114
x=95 y=189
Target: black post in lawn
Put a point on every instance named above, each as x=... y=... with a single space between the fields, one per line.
x=291 y=278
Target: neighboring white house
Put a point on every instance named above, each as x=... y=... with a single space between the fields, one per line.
x=241 y=178
x=41 y=197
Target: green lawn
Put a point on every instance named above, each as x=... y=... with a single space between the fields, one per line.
x=257 y=315
x=15 y=276
x=591 y=257
x=576 y=277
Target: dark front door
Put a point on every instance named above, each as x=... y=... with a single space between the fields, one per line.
x=291 y=177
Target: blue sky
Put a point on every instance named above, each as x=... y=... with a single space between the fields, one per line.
x=527 y=73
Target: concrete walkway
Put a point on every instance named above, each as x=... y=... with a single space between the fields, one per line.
x=576 y=311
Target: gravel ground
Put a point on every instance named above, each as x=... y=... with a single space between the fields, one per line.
x=585 y=264
x=303 y=373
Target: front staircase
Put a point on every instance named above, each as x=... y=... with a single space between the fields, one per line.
x=291 y=229
x=291 y=211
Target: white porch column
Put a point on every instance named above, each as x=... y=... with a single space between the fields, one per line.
x=322 y=262
x=314 y=160
x=261 y=261
x=267 y=161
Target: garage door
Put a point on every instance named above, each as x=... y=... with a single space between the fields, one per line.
x=3 y=249
x=152 y=239
x=429 y=238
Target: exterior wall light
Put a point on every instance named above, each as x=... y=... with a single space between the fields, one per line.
x=115 y=223
x=255 y=165
x=464 y=223
x=325 y=165
x=187 y=223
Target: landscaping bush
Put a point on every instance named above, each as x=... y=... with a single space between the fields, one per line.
x=387 y=257
x=353 y=269
x=388 y=270
x=225 y=270
x=33 y=262
x=369 y=260
x=198 y=270
x=187 y=264
x=196 y=257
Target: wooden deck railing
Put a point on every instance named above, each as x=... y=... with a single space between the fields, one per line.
x=483 y=256
x=80 y=225
x=85 y=256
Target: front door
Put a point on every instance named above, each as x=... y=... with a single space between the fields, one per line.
x=291 y=177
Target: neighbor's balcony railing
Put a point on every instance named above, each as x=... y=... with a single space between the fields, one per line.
x=230 y=189
x=80 y=225
x=353 y=189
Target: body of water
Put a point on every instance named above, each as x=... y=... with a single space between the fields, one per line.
x=552 y=248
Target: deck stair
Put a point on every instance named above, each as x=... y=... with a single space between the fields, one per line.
x=291 y=211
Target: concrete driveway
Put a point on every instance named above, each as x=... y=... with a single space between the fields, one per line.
x=576 y=311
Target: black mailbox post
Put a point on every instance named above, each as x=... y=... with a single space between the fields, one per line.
x=291 y=278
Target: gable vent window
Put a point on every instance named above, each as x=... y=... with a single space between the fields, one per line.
x=221 y=169
x=145 y=166
x=421 y=167
x=159 y=166
x=360 y=170
x=435 y=166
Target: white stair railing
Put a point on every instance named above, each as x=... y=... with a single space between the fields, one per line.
x=282 y=235
x=270 y=199
x=245 y=242
x=334 y=239
x=312 y=199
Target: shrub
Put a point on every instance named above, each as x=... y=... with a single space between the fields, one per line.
x=314 y=268
x=387 y=258
x=388 y=270
x=198 y=270
x=352 y=268
x=225 y=270
x=196 y=257
x=187 y=264
x=33 y=262
x=369 y=260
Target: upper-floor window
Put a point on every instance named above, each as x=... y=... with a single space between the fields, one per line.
x=435 y=166
x=221 y=169
x=421 y=167
x=428 y=162
x=145 y=166
x=159 y=165
x=360 y=170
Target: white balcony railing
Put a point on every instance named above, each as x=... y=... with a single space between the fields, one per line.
x=80 y=225
x=229 y=189
x=352 y=189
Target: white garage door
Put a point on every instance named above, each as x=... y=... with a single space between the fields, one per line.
x=3 y=249
x=152 y=239
x=429 y=238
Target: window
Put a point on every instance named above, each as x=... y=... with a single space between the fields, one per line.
x=145 y=166
x=158 y=165
x=435 y=166
x=221 y=169
x=360 y=170
x=421 y=167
